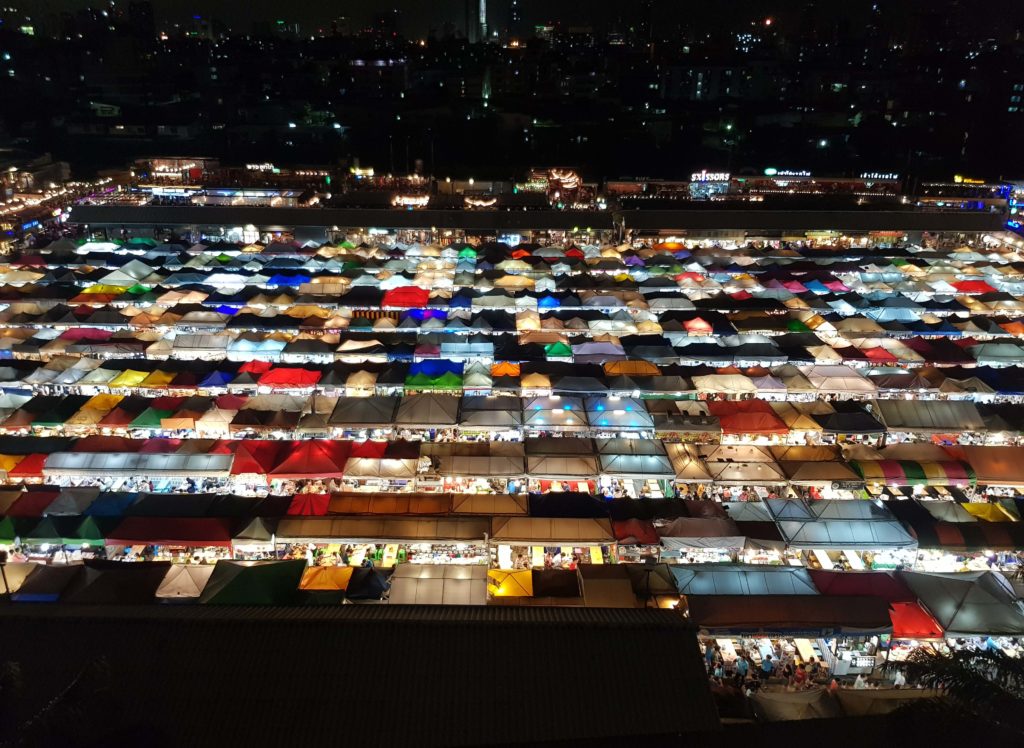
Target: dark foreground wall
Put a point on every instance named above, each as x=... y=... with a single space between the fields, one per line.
x=348 y=675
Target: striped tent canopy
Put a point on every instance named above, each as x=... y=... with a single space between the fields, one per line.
x=913 y=473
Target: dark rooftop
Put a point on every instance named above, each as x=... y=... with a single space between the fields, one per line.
x=364 y=675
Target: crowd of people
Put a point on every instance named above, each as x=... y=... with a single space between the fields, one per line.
x=783 y=670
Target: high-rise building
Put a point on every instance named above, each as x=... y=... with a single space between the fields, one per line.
x=476 y=20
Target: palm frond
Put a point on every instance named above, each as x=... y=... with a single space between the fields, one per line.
x=986 y=683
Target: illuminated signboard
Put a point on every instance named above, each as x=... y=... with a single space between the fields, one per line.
x=710 y=176
x=958 y=179
x=879 y=175
x=260 y=167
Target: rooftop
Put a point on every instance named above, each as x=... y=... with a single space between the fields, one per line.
x=377 y=675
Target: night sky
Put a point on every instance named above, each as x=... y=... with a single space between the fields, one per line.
x=417 y=16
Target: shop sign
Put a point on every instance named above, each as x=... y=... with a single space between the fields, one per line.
x=710 y=176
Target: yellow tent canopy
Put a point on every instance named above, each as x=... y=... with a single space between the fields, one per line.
x=128 y=378
x=326 y=578
x=104 y=402
x=502 y=583
x=988 y=512
x=104 y=288
x=8 y=462
x=158 y=379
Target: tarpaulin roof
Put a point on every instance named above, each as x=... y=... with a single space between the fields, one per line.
x=969 y=603
x=747 y=417
x=175 y=531
x=911 y=473
x=184 y=582
x=438 y=584
x=874 y=583
x=816 y=615
x=253 y=583
x=721 y=579
x=313 y=458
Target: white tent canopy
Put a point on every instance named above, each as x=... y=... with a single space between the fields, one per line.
x=132 y=464
x=438 y=584
x=969 y=603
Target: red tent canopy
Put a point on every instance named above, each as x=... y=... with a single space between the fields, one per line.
x=159 y=445
x=185 y=380
x=635 y=532
x=972 y=286
x=997 y=535
x=911 y=621
x=872 y=583
x=878 y=353
x=406 y=296
x=746 y=417
x=255 y=367
x=256 y=456
x=290 y=377
x=187 y=531
x=698 y=326
x=230 y=402
x=85 y=333
x=119 y=417
x=949 y=535
x=32 y=504
x=309 y=504
x=167 y=402
x=314 y=458
x=30 y=467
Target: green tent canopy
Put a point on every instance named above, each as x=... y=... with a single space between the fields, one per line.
x=254 y=583
x=558 y=350
x=150 y=418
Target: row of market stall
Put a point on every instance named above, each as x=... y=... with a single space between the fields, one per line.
x=85 y=375
x=609 y=466
x=467 y=418
x=818 y=609
x=511 y=531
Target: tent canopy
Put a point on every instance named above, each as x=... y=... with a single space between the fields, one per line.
x=969 y=603
x=718 y=579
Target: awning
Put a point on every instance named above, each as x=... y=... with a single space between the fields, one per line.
x=999 y=466
x=441 y=584
x=313 y=458
x=253 y=583
x=380 y=529
x=544 y=531
x=810 y=615
x=910 y=473
x=700 y=532
x=930 y=416
x=969 y=603
x=846 y=534
x=606 y=586
x=134 y=464
x=184 y=582
x=720 y=579
x=174 y=531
